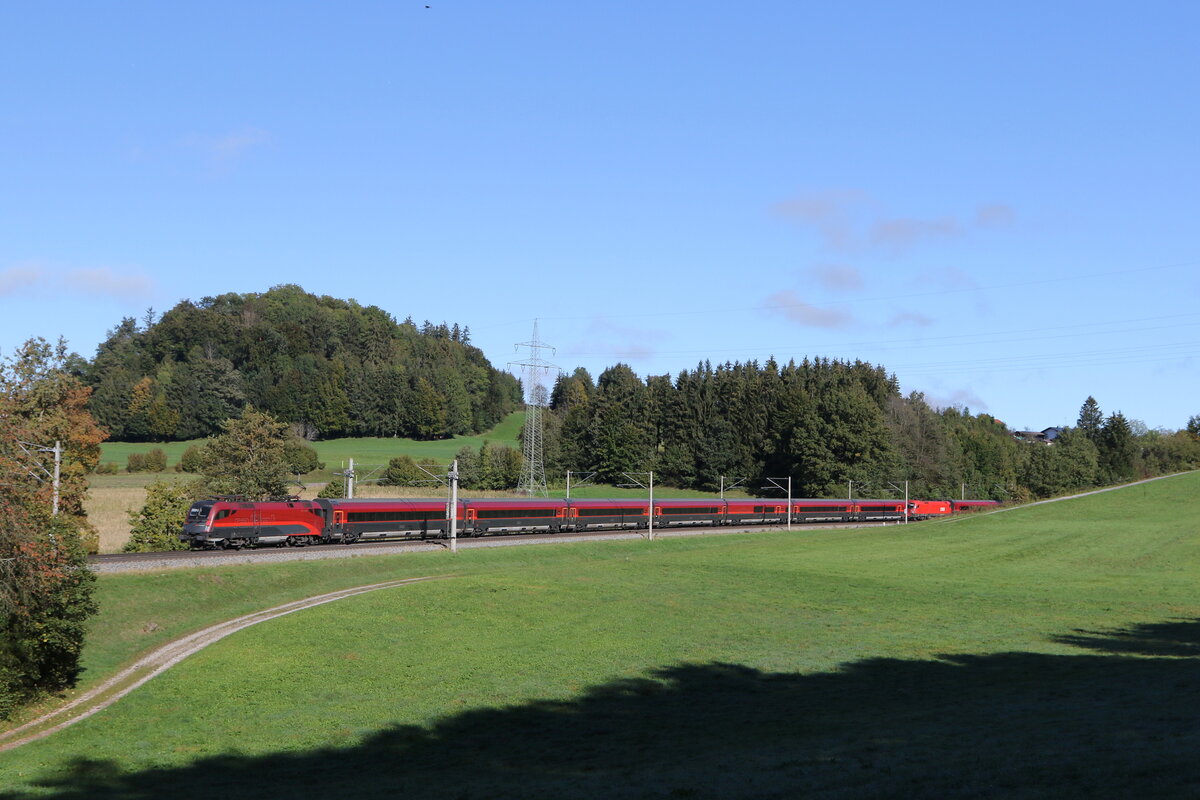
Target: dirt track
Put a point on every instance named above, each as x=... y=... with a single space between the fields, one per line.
x=150 y=665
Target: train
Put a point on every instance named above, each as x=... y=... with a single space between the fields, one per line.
x=234 y=523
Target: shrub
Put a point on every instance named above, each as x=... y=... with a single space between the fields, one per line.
x=156 y=526
x=301 y=458
x=402 y=471
x=190 y=461
x=156 y=461
x=333 y=490
x=107 y=468
x=135 y=462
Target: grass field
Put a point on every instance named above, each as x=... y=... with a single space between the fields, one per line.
x=336 y=452
x=1049 y=651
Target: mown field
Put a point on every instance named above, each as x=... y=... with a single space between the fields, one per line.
x=1048 y=651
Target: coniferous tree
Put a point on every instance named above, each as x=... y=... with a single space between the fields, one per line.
x=1091 y=420
x=1118 y=449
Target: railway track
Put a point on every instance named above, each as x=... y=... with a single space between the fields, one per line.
x=133 y=562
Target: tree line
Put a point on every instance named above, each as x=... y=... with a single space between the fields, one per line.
x=330 y=367
x=834 y=427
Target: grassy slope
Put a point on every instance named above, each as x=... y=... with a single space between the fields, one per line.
x=334 y=452
x=944 y=658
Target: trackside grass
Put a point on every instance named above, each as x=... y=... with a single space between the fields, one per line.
x=1051 y=651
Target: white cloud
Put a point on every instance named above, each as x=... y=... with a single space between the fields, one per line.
x=789 y=304
x=910 y=318
x=994 y=215
x=105 y=281
x=947 y=278
x=604 y=337
x=829 y=212
x=222 y=150
x=958 y=397
x=36 y=279
x=20 y=278
x=850 y=220
x=900 y=234
x=838 y=277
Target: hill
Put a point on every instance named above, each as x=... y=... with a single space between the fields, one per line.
x=332 y=367
x=1046 y=651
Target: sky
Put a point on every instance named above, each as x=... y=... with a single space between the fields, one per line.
x=996 y=201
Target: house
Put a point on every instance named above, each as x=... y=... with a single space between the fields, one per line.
x=1045 y=436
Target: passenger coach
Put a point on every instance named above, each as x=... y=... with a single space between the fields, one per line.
x=233 y=523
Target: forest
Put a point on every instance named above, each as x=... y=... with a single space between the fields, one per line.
x=332 y=368
x=834 y=427
x=329 y=367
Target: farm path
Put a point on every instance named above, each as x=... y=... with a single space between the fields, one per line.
x=161 y=659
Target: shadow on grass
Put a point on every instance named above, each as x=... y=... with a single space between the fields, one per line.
x=1118 y=722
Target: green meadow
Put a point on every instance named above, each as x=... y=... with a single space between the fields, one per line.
x=337 y=452
x=1049 y=651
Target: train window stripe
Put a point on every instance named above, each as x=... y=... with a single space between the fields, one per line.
x=394 y=516
x=689 y=510
x=514 y=513
x=611 y=512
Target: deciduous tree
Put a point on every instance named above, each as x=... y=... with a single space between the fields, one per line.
x=157 y=524
x=45 y=584
x=248 y=458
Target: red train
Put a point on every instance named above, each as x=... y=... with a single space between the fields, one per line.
x=231 y=523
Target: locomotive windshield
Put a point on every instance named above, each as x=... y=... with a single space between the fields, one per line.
x=199 y=511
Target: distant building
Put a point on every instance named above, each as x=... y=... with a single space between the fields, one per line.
x=1045 y=436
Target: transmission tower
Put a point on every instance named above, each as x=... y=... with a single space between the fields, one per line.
x=534 y=369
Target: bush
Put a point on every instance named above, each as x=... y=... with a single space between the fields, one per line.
x=402 y=471
x=333 y=490
x=301 y=458
x=135 y=462
x=190 y=461
x=157 y=525
x=156 y=461
x=107 y=468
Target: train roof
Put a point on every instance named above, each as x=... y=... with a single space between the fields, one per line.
x=516 y=502
x=212 y=501
x=387 y=502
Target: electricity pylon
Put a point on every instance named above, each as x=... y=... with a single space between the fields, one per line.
x=535 y=369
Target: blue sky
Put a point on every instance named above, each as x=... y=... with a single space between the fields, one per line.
x=996 y=201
